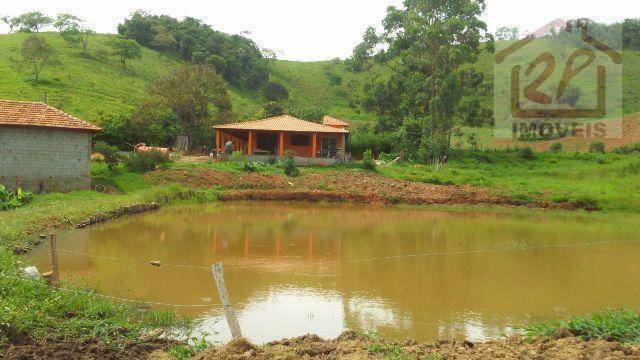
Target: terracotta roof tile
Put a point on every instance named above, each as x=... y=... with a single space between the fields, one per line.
x=37 y=114
x=331 y=121
x=285 y=123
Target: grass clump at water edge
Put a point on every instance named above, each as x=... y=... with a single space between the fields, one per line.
x=611 y=325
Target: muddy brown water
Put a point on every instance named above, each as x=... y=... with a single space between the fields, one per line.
x=293 y=269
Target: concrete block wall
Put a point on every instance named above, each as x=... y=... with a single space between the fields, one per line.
x=45 y=160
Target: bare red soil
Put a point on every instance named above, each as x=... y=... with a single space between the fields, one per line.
x=331 y=185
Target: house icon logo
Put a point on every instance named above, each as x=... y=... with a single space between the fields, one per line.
x=559 y=78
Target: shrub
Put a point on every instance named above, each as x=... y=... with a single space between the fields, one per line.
x=367 y=160
x=587 y=203
x=13 y=199
x=110 y=154
x=527 y=153
x=597 y=146
x=145 y=161
x=628 y=149
x=237 y=157
x=250 y=167
x=556 y=147
x=289 y=165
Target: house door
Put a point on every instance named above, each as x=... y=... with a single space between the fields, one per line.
x=328 y=146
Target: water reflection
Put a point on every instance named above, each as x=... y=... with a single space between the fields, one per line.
x=297 y=268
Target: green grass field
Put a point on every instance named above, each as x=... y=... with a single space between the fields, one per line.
x=97 y=86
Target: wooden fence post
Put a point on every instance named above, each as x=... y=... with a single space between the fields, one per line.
x=229 y=312
x=55 y=275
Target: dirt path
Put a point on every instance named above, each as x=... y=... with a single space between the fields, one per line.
x=351 y=346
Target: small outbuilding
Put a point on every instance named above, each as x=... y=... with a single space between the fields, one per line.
x=42 y=149
x=271 y=138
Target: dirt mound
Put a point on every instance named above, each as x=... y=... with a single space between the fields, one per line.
x=89 y=349
x=237 y=349
x=352 y=346
x=630 y=134
x=331 y=185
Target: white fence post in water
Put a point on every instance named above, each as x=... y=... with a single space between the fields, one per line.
x=229 y=312
x=55 y=272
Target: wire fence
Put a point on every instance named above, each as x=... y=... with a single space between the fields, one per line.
x=368 y=259
x=240 y=267
x=94 y=294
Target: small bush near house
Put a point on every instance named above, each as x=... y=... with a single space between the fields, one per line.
x=110 y=154
x=367 y=160
x=289 y=165
x=527 y=153
x=13 y=199
x=556 y=147
x=597 y=146
x=145 y=161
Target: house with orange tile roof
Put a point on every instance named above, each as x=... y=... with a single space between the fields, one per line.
x=270 y=139
x=43 y=149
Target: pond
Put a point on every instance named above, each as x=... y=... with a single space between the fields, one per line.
x=297 y=268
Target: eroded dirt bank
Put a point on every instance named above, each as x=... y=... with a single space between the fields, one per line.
x=351 y=346
x=330 y=185
x=89 y=349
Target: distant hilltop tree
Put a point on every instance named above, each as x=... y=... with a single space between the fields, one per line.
x=30 y=22
x=507 y=33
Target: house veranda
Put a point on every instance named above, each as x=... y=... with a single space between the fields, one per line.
x=270 y=139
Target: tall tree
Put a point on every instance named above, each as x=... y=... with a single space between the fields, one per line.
x=38 y=52
x=426 y=44
x=31 y=21
x=195 y=94
x=125 y=49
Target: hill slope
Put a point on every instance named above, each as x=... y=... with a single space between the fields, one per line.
x=98 y=87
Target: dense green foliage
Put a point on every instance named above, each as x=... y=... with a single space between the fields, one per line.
x=430 y=88
x=289 y=165
x=145 y=161
x=367 y=160
x=110 y=154
x=13 y=199
x=195 y=96
x=237 y=58
x=611 y=325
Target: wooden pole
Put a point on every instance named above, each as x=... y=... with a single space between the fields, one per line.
x=314 y=145
x=281 y=149
x=229 y=312
x=55 y=276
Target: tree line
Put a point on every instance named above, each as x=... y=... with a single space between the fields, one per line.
x=430 y=89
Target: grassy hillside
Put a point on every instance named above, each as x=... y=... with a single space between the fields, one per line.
x=97 y=87
x=86 y=87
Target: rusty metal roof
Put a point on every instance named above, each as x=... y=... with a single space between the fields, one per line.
x=285 y=123
x=331 y=121
x=37 y=114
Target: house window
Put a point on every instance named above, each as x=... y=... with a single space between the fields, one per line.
x=299 y=140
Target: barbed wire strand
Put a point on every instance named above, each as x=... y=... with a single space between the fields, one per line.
x=101 y=295
x=380 y=258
